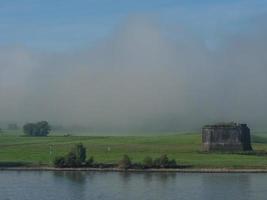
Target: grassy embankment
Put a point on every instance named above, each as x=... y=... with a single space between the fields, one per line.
x=185 y=148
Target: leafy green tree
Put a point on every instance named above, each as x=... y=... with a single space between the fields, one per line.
x=28 y=129
x=37 y=129
x=75 y=158
x=80 y=151
x=42 y=128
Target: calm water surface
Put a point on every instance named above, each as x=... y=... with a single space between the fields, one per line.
x=130 y=186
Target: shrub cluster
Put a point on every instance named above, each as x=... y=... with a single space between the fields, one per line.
x=161 y=162
x=125 y=162
x=75 y=158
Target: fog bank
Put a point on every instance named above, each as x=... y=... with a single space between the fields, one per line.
x=140 y=78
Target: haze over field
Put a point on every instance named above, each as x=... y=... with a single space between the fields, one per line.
x=147 y=73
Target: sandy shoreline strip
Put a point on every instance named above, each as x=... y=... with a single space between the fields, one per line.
x=195 y=170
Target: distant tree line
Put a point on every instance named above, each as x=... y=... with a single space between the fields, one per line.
x=37 y=129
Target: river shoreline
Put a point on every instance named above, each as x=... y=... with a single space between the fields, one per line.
x=194 y=170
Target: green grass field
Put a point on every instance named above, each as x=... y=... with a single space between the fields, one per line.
x=185 y=148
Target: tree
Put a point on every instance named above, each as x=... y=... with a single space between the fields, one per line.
x=80 y=152
x=71 y=160
x=125 y=162
x=37 y=129
x=77 y=155
x=42 y=128
x=161 y=162
x=75 y=158
x=28 y=129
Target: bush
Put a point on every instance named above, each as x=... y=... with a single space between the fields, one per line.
x=75 y=158
x=164 y=162
x=90 y=161
x=148 y=162
x=172 y=164
x=60 y=161
x=125 y=162
x=80 y=153
x=71 y=160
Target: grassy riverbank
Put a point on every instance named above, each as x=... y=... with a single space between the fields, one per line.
x=184 y=148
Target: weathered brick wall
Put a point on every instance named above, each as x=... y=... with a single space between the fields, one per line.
x=226 y=138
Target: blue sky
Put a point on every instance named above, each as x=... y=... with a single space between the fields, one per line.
x=68 y=24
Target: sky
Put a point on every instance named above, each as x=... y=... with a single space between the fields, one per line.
x=63 y=25
x=133 y=65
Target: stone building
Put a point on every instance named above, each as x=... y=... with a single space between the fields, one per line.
x=226 y=137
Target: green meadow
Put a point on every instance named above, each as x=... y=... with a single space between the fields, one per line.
x=185 y=148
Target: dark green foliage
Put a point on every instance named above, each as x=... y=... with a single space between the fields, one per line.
x=37 y=129
x=172 y=164
x=72 y=160
x=148 y=162
x=90 y=161
x=125 y=162
x=164 y=162
x=28 y=129
x=80 y=151
x=60 y=161
x=75 y=158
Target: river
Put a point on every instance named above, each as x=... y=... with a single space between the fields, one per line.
x=34 y=185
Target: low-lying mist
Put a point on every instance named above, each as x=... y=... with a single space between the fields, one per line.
x=143 y=77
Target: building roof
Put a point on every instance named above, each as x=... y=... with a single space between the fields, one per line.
x=223 y=125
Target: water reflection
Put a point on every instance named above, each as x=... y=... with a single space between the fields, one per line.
x=125 y=177
x=130 y=186
x=147 y=178
x=74 y=182
x=73 y=176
